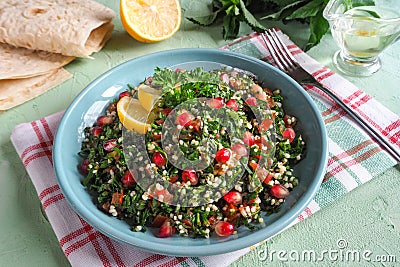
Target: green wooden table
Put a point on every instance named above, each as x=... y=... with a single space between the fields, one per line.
x=368 y=218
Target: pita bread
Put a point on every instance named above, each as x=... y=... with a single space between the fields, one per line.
x=69 y=27
x=17 y=91
x=39 y=37
x=18 y=62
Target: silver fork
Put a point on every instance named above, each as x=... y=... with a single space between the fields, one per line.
x=287 y=63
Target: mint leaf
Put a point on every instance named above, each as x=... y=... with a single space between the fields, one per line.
x=309 y=10
x=285 y=11
x=318 y=27
x=231 y=27
x=250 y=19
x=204 y=20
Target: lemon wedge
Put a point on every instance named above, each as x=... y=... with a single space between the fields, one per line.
x=148 y=96
x=132 y=115
x=151 y=21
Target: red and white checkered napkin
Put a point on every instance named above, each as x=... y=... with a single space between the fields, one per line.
x=354 y=159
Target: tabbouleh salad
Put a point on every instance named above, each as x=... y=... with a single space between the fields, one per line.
x=267 y=149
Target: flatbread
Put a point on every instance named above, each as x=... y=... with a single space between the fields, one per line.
x=17 y=91
x=18 y=62
x=69 y=27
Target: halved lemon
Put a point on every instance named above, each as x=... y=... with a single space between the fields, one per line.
x=132 y=115
x=148 y=96
x=150 y=21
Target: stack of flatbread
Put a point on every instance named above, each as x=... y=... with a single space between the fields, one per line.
x=39 y=37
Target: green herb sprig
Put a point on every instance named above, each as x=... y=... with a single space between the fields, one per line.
x=233 y=12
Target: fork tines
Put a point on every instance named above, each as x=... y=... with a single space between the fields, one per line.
x=279 y=52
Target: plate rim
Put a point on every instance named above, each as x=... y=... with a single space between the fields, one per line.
x=211 y=249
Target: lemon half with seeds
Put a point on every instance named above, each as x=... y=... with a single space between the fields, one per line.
x=151 y=21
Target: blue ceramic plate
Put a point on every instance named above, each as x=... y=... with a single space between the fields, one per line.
x=95 y=97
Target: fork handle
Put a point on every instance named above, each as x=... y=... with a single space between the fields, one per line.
x=371 y=131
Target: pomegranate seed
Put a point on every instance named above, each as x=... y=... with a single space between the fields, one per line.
x=84 y=167
x=232 y=104
x=127 y=179
x=212 y=220
x=148 y=80
x=177 y=70
x=251 y=101
x=159 y=159
x=159 y=220
x=124 y=93
x=279 y=191
x=112 y=107
x=215 y=102
x=289 y=133
x=190 y=175
x=184 y=118
x=240 y=150
x=224 y=228
x=166 y=229
x=166 y=111
x=223 y=155
x=109 y=145
x=104 y=120
x=233 y=197
x=97 y=131
x=248 y=138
